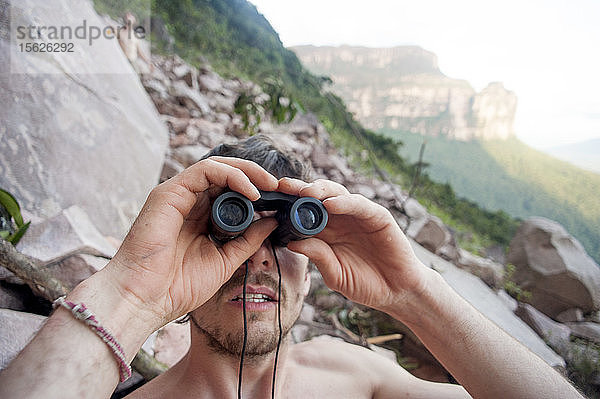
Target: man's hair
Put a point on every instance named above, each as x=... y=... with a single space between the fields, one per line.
x=262 y=150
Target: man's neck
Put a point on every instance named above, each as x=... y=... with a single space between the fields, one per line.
x=203 y=372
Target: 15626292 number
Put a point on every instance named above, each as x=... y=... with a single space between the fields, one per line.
x=47 y=47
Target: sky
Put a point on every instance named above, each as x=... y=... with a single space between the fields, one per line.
x=547 y=52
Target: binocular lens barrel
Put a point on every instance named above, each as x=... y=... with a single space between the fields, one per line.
x=298 y=217
x=231 y=214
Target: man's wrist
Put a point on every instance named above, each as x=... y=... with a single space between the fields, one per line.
x=423 y=303
x=126 y=320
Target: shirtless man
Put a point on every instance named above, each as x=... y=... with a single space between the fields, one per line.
x=167 y=266
x=131 y=44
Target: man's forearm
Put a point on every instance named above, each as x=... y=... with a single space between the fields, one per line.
x=66 y=358
x=487 y=361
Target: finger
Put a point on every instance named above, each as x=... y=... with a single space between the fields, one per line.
x=236 y=251
x=289 y=185
x=321 y=189
x=213 y=172
x=323 y=257
x=354 y=205
x=257 y=174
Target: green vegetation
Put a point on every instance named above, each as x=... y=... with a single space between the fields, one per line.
x=10 y=212
x=509 y=175
x=583 y=366
x=511 y=287
x=238 y=41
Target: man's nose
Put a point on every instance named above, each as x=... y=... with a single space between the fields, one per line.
x=263 y=258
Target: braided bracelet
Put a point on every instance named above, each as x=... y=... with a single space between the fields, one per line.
x=80 y=312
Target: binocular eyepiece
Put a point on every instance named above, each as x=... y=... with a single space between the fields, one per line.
x=298 y=217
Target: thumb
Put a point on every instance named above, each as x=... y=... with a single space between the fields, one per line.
x=244 y=246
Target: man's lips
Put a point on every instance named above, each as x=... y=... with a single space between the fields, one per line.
x=267 y=292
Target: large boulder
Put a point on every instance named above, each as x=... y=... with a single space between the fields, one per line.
x=77 y=128
x=554 y=267
x=484 y=299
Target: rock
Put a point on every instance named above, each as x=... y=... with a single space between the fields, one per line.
x=74 y=269
x=449 y=251
x=176 y=125
x=489 y=304
x=79 y=129
x=210 y=133
x=429 y=232
x=508 y=300
x=11 y=297
x=210 y=82
x=172 y=343
x=179 y=140
x=384 y=191
x=300 y=333
x=156 y=86
x=308 y=313
x=329 y=301
x=192 y=99
x=188 y=74
x=588 y=330
x=69 y=232
x=554 y=267
x=170 y=168
x=490 y=272
x=573 y=314
x=189 y=154
x=220 y=103
x=16 y=330
x=222 y=119
x=168 y=108
x=414 y=209
x=556 y=334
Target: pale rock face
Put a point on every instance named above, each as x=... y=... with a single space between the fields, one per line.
x=65 y=234
x=554 y=267
x=402 y=88
x=68 y=137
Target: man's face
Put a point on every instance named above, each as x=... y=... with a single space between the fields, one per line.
x=220 y=319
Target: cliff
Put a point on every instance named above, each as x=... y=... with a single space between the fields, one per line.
x=402 y=88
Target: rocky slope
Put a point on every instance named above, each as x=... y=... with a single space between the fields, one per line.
x=196 y=109
x=402 y=88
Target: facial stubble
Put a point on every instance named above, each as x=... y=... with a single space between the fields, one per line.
x=261 y=340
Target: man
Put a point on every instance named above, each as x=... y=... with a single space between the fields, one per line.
x=168 y=266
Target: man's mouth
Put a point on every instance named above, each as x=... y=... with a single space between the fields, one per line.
x=255 y=298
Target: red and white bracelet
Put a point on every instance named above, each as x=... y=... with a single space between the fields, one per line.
x=82 y=313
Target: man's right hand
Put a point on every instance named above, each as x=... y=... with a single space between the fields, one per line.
x=167 y=265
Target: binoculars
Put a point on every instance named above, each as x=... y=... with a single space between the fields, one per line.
x=298 y=217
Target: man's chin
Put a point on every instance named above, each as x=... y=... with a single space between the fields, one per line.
x=261 y=341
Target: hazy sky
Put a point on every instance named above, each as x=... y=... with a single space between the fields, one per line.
x=547 y=52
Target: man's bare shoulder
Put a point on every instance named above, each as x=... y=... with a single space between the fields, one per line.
x=373 y=373
x=333 y=353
